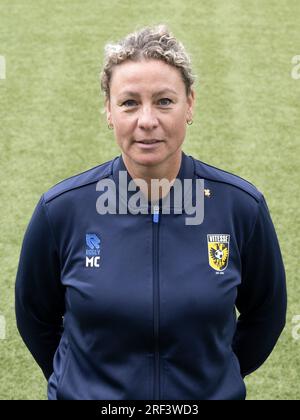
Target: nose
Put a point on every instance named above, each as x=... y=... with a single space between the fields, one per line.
x=147 y=119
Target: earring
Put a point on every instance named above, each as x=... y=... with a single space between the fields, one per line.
x=189 y=122
x=110 y=127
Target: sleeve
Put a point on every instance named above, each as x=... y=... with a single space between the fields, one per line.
x=262 y=297
x=39 y=294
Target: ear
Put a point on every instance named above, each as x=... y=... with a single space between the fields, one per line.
x=108 y=111
x=191 y=103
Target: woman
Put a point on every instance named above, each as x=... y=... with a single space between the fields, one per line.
x=140 y=304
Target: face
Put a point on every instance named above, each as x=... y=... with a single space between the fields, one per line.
x=149 y=109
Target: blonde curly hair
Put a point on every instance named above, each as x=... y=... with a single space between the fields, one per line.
x=151 y=42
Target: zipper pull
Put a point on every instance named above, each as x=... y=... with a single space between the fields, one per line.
x=156 y=214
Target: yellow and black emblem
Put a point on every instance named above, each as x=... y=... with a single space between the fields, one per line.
x=218 y=251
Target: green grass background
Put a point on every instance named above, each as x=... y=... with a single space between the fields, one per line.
x=51 y=127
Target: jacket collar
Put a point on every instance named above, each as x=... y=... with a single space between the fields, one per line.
x=186 y=171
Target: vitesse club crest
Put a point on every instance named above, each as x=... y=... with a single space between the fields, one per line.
x=218 y=251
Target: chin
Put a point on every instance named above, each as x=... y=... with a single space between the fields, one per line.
x=148 y=159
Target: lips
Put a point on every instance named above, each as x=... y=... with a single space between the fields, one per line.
x=149 y=141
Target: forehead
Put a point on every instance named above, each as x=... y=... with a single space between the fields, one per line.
x=146 y=74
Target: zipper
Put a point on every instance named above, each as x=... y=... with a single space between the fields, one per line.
x=155 y=230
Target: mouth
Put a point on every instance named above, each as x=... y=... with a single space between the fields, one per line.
x=149 y=141
x=149 y=144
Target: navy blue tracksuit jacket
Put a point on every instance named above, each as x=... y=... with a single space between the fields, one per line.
x=142 y=306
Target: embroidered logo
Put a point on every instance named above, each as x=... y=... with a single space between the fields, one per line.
x=92 y=258
x=207 y=192
x=218 y=251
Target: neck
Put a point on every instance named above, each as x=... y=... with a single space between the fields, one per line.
x=167 y=169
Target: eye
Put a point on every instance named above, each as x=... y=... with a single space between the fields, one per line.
x=128 y=101
x=166 y=99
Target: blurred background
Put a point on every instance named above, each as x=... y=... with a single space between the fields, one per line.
x=247 y=121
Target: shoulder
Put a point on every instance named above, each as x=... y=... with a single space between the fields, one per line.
x=225 y=178
x=79 y=181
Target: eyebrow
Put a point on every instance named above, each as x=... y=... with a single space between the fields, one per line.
x=131 y=93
